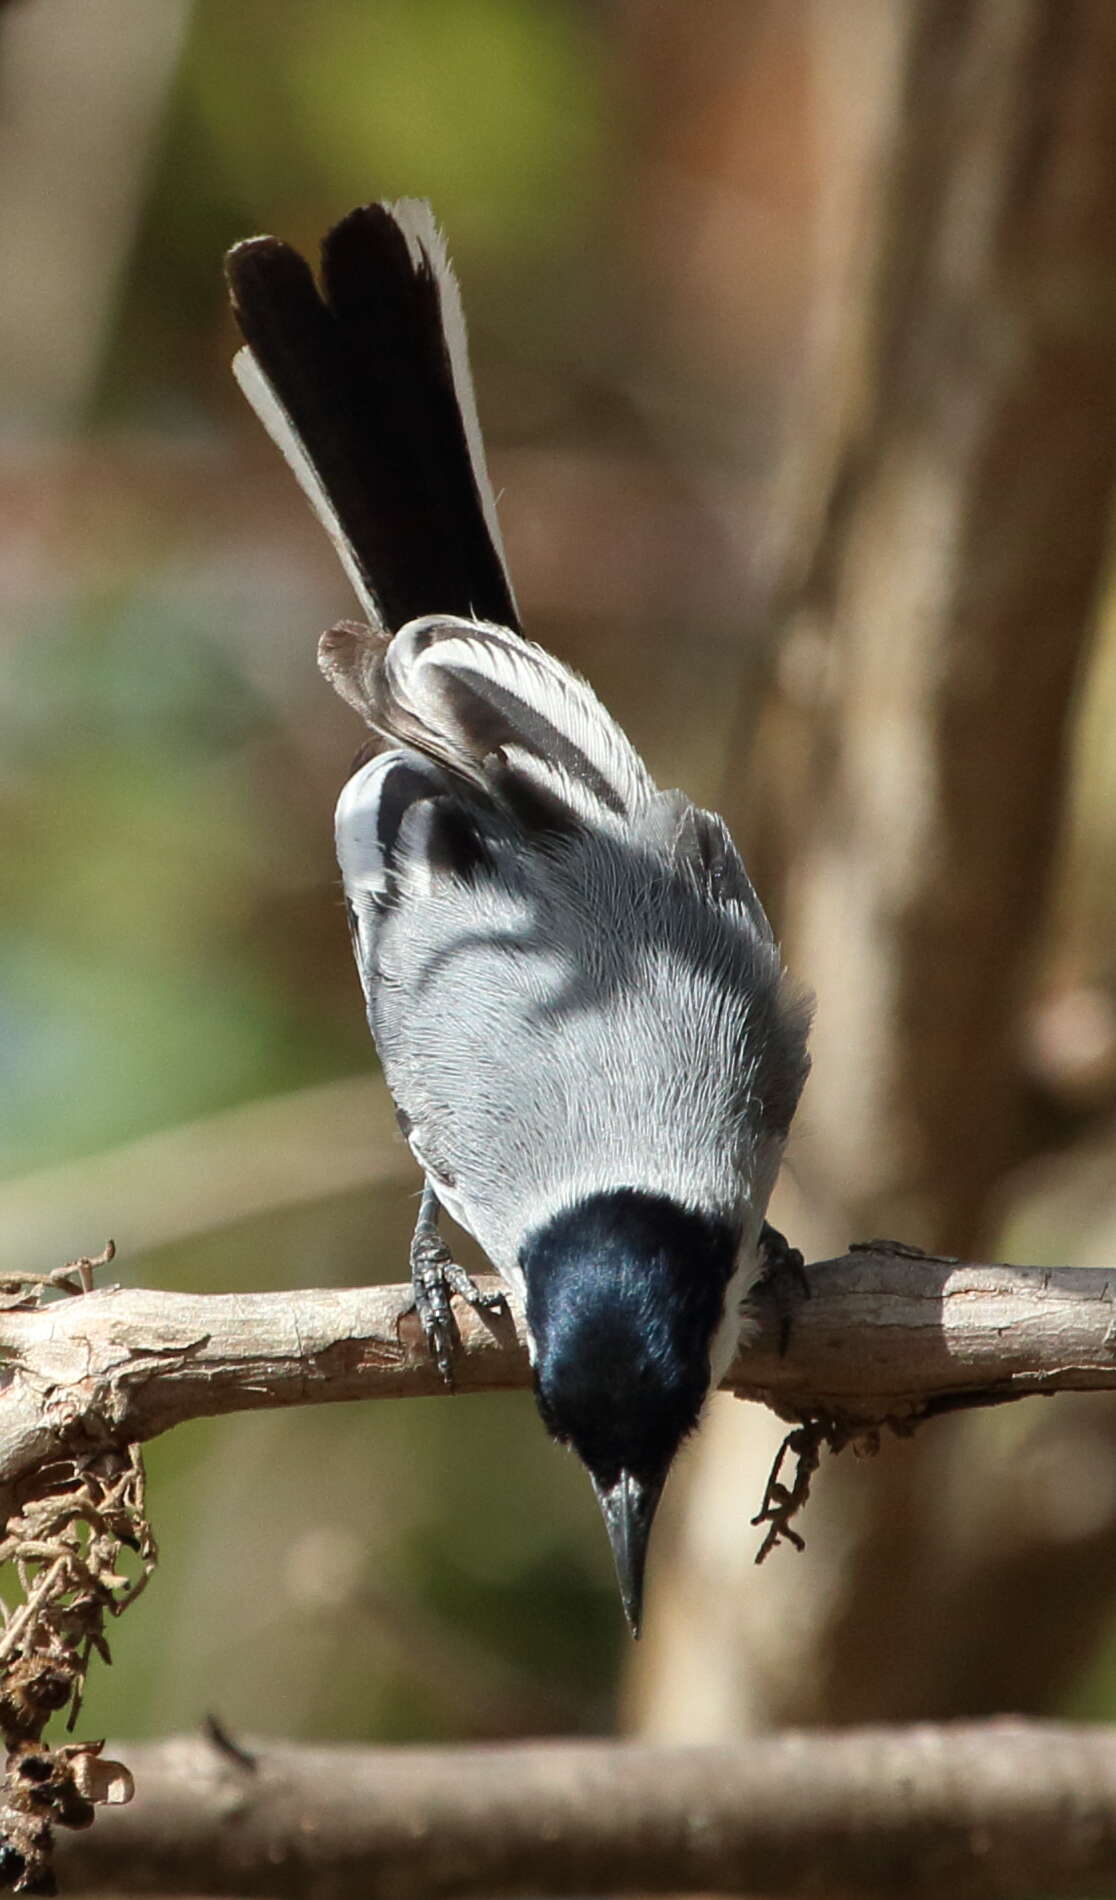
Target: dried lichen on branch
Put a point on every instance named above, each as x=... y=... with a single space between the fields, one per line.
x=65 y=1549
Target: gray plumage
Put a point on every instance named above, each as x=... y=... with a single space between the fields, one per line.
x=571 y=982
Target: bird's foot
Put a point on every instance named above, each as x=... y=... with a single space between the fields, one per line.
x=435 y=1277
x=784 y=1275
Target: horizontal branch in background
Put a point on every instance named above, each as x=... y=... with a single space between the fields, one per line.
x=259 y=1158
x=884 y=1335
x=969 y=1810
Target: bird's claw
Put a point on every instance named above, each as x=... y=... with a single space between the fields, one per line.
x=435 y=1277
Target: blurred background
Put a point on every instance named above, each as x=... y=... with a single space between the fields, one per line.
x=792 y=327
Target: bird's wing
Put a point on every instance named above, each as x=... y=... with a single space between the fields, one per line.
x=701 y=847
x=365 y=388
x=503 y=715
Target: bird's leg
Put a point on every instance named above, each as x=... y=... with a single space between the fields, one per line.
x=435 y=1275
x=784 y=1274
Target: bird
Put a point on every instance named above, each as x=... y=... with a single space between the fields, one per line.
x=578 y=1002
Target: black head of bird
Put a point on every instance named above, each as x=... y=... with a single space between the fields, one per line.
x=625 y=1292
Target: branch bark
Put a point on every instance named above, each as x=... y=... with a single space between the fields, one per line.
x=883 y=1336
x=969 y=1810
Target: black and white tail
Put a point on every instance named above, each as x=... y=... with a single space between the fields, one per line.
x=364 y=386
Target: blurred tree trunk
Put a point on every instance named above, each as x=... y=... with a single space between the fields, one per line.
x=69 y=203
x=943 y=539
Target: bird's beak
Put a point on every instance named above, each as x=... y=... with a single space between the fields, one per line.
x=629 y=1508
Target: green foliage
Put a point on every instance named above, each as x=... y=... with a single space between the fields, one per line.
x=129 y=884
x=489 y=108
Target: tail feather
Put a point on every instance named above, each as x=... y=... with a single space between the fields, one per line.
x=365 y=388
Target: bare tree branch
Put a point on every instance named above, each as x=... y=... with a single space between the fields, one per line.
x=966 y=1810
x=885 y=1335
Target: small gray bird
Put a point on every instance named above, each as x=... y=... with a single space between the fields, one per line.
x=575 y=993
